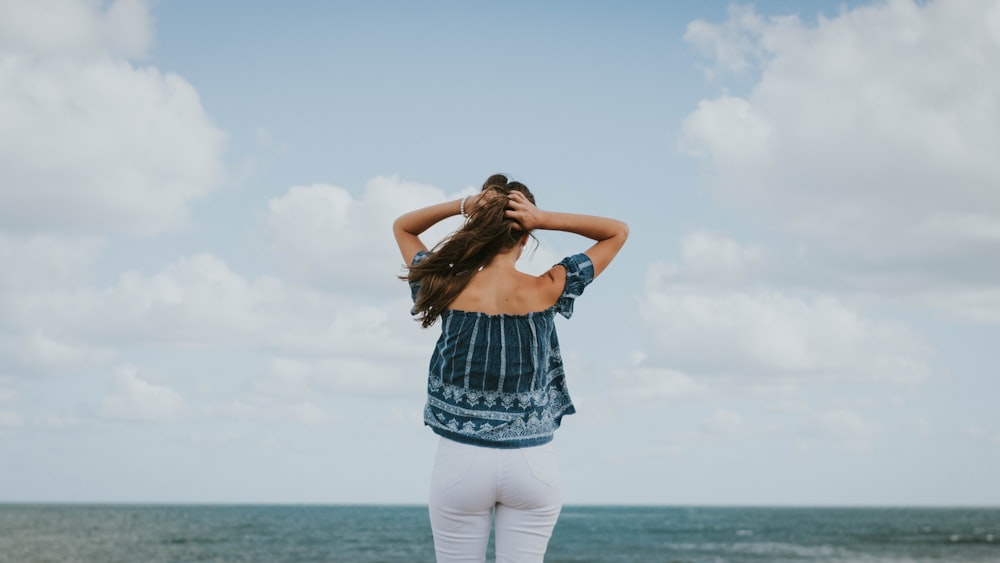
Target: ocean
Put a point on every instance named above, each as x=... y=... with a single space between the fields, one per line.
x=362 y=534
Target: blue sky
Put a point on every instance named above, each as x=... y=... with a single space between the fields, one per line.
x=199 y=302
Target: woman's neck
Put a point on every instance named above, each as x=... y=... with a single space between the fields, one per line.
x=506 y=259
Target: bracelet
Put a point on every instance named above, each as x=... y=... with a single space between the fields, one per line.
x=461 y=207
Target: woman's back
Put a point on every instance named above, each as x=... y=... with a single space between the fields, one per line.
x=499 y=288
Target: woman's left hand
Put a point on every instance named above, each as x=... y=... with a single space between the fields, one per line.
x=520 y=209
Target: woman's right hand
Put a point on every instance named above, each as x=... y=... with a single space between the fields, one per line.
x=472 y=202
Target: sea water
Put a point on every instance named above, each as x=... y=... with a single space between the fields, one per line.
x=359 y=534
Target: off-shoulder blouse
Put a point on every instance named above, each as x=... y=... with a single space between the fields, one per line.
x=498 y=380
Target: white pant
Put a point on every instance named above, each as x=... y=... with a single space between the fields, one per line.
x=470 y=483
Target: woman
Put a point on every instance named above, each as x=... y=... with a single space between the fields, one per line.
x=496 y=390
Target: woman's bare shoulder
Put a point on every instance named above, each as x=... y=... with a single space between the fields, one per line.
x=551 y=283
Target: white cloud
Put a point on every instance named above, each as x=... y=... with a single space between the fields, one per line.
x=195 y=300
x=8 y=395
x=45 y=261
x=38 y=351
x=56 y=421
x=841 y=429
x=921 y=425
x=842 y=423
x=225 y=438
x=976 y=431
x=263 y=407
x=134 y=398
x=329 y=342
x=873 y=133
x=89 y=140
x=710 y=329
x=720 y=428
x=726 y=423
x=979 y=433
x=304 y=389
x=968 y=303
x=74 y=27
x=402 y=418
x=709 y=256
x=102 y=145
x=769 y=333
x=658 y=384
x=323 y=234
x=734 y=45
x=717 y=329
x=372 y=374
x=200 y=302
x=10 y=419
x=35 y=266
x=847 y=428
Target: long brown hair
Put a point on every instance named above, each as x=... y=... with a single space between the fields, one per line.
x=451 y=264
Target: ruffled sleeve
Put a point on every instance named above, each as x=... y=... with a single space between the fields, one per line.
x=415 y=286
x=579 y=274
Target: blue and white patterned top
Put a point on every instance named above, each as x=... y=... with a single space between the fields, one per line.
x=498 y=380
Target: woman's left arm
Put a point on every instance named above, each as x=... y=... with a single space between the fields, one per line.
x=408 y=227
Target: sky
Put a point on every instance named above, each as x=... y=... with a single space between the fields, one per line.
x=199 y=302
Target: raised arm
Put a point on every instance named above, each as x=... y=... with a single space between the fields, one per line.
x=610 y=234
x=409 y=226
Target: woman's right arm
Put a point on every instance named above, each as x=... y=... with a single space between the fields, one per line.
x=610 y=234
x=409 y=226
